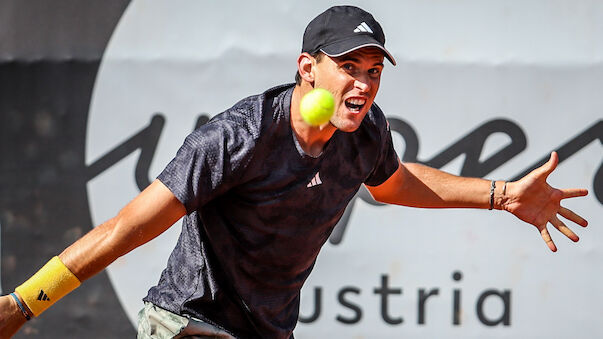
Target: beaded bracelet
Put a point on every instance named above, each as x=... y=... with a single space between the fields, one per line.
x=492 y=187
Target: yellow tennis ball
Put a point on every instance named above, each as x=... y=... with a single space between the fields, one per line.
x=317 y=106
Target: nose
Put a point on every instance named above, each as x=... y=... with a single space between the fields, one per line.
x=362 y=83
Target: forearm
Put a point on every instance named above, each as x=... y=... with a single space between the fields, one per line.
x=61 y=275
x=93 y=252
x=143 y=219
x=418 y=185
x=430 y=187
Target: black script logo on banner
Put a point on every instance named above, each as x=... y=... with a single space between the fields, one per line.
x=471 y=145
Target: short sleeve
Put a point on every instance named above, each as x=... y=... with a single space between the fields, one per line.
x=208 y=163
x=387 y=159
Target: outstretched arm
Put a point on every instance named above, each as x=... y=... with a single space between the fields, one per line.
x=152 y=212
x=144 y=218
x=531 y=199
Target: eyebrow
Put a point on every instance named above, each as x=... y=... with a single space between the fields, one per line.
x=357 y=60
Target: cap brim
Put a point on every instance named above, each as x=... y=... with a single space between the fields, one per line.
x=343 y=47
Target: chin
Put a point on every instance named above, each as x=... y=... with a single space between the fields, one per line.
x=346 y=126
x=348 y=123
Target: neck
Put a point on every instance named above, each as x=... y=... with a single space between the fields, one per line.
x=312 y=139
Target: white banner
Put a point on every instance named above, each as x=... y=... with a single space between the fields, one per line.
x=482 y=88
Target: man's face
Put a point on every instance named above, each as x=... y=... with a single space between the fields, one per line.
x=354 y=80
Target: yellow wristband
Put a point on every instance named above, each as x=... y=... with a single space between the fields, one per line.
x=52 y=282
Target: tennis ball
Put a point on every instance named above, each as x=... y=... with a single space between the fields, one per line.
x=317 y=106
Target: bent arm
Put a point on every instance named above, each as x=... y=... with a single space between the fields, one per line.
x=417 y=185
x=152 y=212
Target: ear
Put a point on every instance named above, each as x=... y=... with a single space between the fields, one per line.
x=305 y=67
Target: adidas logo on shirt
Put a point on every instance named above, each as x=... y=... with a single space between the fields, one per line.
x=315 y=181
x=363 y=27
x=42 y=296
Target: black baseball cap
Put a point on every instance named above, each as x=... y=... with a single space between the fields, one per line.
x=342 y=29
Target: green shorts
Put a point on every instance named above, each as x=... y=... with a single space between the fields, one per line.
x=157 y=323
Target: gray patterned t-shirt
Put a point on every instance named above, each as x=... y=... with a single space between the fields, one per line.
x=258 y=211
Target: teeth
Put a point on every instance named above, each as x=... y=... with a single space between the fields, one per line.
x=355 y=104
x=355 y=101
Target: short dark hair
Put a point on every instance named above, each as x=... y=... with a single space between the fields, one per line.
x=318 y=56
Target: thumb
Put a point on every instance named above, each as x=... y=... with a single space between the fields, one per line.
x=550 y=165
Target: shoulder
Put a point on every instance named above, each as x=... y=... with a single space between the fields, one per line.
x=252 y=114
x=241 y=125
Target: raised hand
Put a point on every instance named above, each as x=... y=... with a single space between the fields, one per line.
x=534 y=201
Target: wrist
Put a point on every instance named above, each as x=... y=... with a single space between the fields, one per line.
x=21 y=306
x=53 y=281
x=501 y=195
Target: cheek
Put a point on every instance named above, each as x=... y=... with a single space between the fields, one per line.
x=346 y=85
x=375 y=85
x=339 y=93
x=331 y=85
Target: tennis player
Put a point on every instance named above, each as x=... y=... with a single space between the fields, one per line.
x=260 y=191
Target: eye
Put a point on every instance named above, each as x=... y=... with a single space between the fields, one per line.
x=348 y=67
x=375 y=71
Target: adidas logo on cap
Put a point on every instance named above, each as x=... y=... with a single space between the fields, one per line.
x=363 y=27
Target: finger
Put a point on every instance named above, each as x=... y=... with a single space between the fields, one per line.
x=574 y=192
x=570 y=215
x=547 y=239
x=550 y=165
x=559 y=225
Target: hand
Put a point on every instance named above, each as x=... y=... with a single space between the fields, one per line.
x=534 y=201
x=11 y=318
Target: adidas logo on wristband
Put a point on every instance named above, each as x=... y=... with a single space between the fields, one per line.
x=42 y=296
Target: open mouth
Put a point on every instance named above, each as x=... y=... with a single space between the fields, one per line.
x=355 y=104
